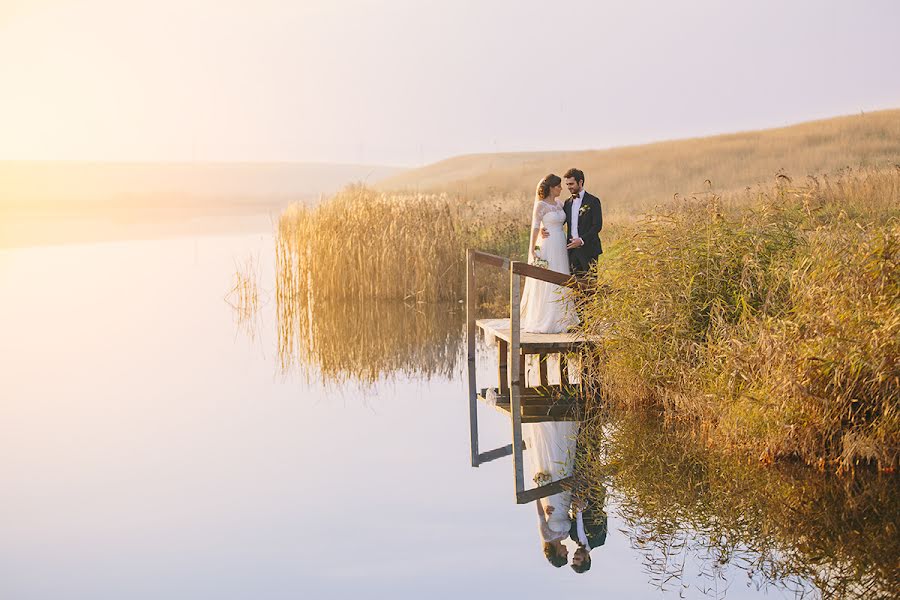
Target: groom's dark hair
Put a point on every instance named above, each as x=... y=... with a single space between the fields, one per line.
x=584 y=566
x=576 y=174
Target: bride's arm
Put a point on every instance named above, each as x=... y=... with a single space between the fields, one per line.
x=546 y=533
x=536 y=217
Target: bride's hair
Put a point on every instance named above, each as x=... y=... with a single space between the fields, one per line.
x=550 y=551
x=543 y=188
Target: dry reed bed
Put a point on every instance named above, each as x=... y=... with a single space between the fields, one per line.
x=362 y=245
x=769 y=321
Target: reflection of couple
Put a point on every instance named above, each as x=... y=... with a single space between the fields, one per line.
x=551 y=452
x=564 y=238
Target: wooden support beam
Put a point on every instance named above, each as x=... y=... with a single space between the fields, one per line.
x=517 y=376
x=489 y=259
x=543 y=378
x=495 y=453
x=503 y=367
x=521 y=268
x=470 y=351
x=563 y=369
x=554 y=487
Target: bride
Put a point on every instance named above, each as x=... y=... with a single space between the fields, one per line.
x=549 y=308
x=551 y=455
x=546 y=307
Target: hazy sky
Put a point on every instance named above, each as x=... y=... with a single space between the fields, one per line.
x=411 y=81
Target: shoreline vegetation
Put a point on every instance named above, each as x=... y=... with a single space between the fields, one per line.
x=763 y=318
x=766 y=321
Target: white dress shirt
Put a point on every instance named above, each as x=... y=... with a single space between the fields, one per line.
x=576 y=206
x=582 y=536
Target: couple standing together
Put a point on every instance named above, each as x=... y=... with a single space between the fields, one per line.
x=564 y=238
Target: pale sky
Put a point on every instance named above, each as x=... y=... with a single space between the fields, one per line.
x=407 y=82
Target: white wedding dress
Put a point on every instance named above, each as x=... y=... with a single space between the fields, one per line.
x=551 y=451
x=548 y=308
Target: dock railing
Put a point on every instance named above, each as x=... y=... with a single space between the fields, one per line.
x=518 y=271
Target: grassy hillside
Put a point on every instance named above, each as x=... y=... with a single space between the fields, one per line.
x=632 y=179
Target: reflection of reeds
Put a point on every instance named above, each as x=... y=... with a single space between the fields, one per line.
x=244 y=295
x=365 y=341
x=786 y=525
x=770 y=320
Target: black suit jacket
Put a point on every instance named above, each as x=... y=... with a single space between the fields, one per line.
x=590 y=222
x=595 y=526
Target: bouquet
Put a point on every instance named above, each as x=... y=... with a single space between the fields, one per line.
x=537 y=261
x=542 y=478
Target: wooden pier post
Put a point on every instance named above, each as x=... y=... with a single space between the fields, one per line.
x=470 y=344
x=517 y=379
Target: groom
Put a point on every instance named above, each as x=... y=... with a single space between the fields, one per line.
x=584 y=220
x=588 y=530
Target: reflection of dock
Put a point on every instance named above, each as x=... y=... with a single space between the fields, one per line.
x=539 y=403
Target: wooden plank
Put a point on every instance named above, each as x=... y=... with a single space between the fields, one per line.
x=550 y=410
x=537 y=396
x=534 y=343
x=517 y=378
x=563 y=369
x=521 y=268
x=543 y=378
x=554 y=487
x=489 y=259
x=504 y=408
x=470 y=351
x=502 y=366
x=495 y=453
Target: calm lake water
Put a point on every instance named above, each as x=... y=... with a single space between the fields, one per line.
x=154 y=444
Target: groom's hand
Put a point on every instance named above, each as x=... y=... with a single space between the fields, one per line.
x=544 y=233
x=575 y=243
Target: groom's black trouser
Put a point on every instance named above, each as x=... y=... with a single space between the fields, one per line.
x=580 y=263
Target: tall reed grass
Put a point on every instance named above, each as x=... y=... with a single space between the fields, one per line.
x=767 y=320
x=362 y=245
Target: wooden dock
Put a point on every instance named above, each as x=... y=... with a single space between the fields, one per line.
x=524 y=404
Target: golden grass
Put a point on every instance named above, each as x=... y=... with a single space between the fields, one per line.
x=770 y=323
x=633 y=179
x=361 y=245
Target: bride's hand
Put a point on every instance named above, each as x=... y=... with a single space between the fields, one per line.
x=544 y=233
x=549 y=509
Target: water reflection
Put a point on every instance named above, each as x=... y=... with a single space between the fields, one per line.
x=363 y=342
x=785 y=527
x=571 y=515
x=701 y=522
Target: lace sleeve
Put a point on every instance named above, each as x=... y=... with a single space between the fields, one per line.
x=537 y=215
